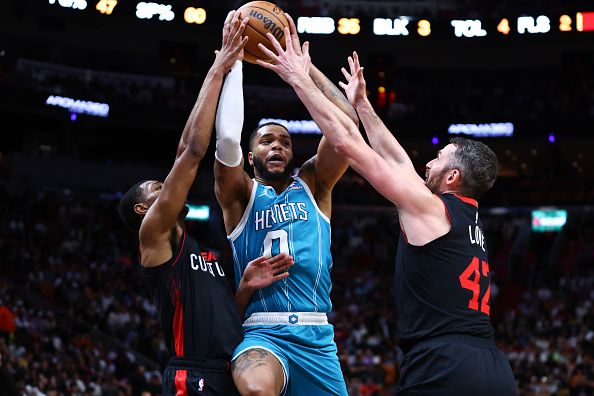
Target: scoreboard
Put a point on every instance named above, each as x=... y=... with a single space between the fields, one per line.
x=192 y=13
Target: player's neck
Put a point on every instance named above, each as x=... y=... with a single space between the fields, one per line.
x=278 y=185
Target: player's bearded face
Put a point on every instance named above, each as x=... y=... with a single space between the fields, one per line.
x=260 y=166
x=433 y=178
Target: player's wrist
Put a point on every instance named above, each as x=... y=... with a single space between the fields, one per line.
x=245 y=287
x=218 y=69
x=362 y=104
x=301 y=81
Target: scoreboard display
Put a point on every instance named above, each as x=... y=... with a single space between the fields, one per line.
x=185 y=12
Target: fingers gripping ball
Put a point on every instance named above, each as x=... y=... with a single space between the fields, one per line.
x=265 y=17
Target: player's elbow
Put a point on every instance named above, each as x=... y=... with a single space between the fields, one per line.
x=195 y=151
x=342 y=146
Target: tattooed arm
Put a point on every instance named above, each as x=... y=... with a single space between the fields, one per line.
x=333 y=93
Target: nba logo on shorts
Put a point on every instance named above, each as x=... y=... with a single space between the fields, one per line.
x=200 y=384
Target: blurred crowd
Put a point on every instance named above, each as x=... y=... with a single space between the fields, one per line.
x=75 y=320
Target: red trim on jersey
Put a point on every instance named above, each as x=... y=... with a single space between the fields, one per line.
x=403 y=234
x=471 y=201
x=178 y=326
x=180 y=250
x=180 y=382
x=445 y=208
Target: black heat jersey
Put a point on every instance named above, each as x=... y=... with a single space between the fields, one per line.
x=443 y=287
x=195 y=303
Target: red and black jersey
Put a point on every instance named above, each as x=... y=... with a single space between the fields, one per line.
x=195 y=304
x=444 y=286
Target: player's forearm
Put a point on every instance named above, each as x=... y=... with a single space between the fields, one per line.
x=336 y=126
x=229 y=119
x=198 y=128
x=333 y=93
x=242 y=298
x=380 y=138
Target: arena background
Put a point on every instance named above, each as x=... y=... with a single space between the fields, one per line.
x=94 y=95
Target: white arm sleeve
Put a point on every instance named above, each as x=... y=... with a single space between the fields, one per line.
x=229 y=119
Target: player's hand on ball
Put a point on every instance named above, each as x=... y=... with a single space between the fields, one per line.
x=233 y=42
x=355 y=87
x=263 y=271
x=294 y=39
x=290 y=64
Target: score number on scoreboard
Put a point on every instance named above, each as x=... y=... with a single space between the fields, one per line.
x=106 y=6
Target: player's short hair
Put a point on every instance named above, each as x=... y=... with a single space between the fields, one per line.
x=126 y=207
x=477 y=164
x=255 y=131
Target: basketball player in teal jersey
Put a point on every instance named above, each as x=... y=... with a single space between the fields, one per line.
x=288 y=345
x=442 y=279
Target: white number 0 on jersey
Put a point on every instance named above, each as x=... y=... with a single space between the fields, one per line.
x=283 y=238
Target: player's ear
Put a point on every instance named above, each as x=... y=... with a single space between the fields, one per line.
x=454 y=177
x=141 y=208
x=251 y=158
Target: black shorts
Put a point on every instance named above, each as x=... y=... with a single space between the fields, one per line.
x=456 y=365
x=186 y=376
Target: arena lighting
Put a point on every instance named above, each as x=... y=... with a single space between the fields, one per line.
x=74 y=4
x=541 y=24
x=468 y=28
x=195 y=15
x=482 y=130
x=552 y=138
x=548 y=219
x=305 y=127
x=315 y=25
x=390 y=27
x=349 y=26
x=585 y=21
x=79 y=106
x=198 y=212
x=149 y=10
x=106 y=6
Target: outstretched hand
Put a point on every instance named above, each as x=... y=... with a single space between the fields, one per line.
x=291 y=63
x=355 y=87
x=294 y=36
x=233 y=43
x=262 y=272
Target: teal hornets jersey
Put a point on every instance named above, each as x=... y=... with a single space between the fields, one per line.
x=288 y=223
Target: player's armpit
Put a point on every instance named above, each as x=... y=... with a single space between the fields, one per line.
x=233 y=188
x=162 y=216
x=155 y=252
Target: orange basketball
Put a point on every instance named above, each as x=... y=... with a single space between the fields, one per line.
x=265 y=17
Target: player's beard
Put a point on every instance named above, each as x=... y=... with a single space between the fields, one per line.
x=434 y=181
x=273 y=176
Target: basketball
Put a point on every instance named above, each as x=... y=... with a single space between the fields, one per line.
x=264 y=17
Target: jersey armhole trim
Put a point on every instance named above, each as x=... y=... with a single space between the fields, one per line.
x=313 y=200
x=180 y=250
x=403 y=233
x=447 y=212
x=171 y=262
x=246 y=214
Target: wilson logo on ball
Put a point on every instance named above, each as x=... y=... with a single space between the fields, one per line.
x=277 y=31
